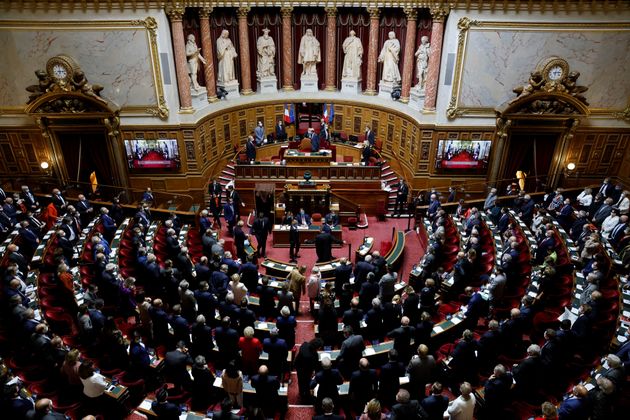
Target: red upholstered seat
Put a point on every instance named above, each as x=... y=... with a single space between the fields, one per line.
x=316 y=219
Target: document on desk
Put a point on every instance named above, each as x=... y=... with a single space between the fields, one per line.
x=568 y=315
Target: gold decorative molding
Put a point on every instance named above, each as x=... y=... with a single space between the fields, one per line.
x=205 y=12
x=331 y=11
x=411 y=12
x=175 y=13
x=456 y=109
x=151 y=26
x=286 y=12
x=242 y=12
x=374 y=12
x=623 y=115
x=439 y=13
x=159 y=109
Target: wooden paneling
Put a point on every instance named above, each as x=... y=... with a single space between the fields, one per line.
x=22 y=151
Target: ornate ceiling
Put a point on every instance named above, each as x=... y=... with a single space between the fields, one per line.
x=550 y=6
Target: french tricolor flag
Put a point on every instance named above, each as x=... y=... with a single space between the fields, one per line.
x=289 y=114
x=329 y=113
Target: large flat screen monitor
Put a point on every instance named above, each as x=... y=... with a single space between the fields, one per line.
x=152 y=154
x=463 y=155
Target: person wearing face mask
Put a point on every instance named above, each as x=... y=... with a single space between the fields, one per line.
x=259 y=133
x=303 y=219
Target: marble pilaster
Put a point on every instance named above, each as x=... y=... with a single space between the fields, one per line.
x=287 y=49
x=243 y=44
x=181 y=64
x=208 y=54
x=408 y=54
x=370 y=88
x=331 y=46
x=433 y=71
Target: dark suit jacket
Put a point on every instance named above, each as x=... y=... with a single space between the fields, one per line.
x=361 y=271
x=328 y=381
x=175 y=363
x=315 y=143
x=323 y=246
x=266 y=390
x=351 y=351
x=435 y=406
x=261 y=227
x=300 y=217
x=329 y=417
x=527 y=374
x=363 y=385
x=250 y=150
x=369 y=137
x=411 y=410
x=281 y=132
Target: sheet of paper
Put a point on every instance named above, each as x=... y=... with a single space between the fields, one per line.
x=437 y=329
x=369 y=351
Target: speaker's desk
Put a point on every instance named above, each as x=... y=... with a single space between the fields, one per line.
x=281 y=235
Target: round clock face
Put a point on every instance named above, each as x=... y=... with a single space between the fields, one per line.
x=555 y=73
x=59 y=71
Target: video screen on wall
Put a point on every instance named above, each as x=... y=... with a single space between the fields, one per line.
x=152 y=154
x=463 y=155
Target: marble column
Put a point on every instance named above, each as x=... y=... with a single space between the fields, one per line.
x=287 y=49
x=181 y=64
x=206 y=50
x=243 y=45
x=435 y=57
x=331 y=48
x=372 y=64
x=408 y=54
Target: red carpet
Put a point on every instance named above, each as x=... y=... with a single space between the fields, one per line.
x=381 y=232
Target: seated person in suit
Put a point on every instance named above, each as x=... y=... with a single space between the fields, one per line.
x=302 y=218
x=332 y=218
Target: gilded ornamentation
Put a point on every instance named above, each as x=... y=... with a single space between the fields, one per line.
x=113 y=125
x=175 y=13
x=243 y=11
x=151 y=25
x=205 y=12
x=374 y=12
x=623 y=115
x=439 y=13
x=503 y=126
x=451 y=111
x=331 y=11
x=411 y=12
x=286 y=12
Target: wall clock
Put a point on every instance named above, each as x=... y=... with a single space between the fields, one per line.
x=554 y=69
x=61 y=68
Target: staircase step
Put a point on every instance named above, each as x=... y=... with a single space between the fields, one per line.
x=387 y=174
x=228 y=172
x=394 y=178
x=384 y=167
x=229 y=166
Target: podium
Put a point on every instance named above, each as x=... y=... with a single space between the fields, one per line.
x=313 y=197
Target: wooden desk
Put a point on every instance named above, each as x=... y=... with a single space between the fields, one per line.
x=281 y=236
x=294 y=157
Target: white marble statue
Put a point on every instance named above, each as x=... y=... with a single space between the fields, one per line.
x=422 y=60
x=266 y=53
x=193 y=55
x=309 y=54
x=389 y=57
x=353 y=57
x=226 y=53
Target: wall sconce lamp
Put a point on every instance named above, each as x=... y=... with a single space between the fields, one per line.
x=46 y=168
x=570 y=169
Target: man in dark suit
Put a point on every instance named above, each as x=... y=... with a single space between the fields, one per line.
x=249 y=274
x=366 y=153
x=281 y=132
x=323 y=246
x=303 y=218
x=261 y=228
x=528 y=373
x=30 y=201
x=226 y=338
x=17 y=258
x=527 y=210
x=434 y=205
x=606 y=189
x=401 y=197
x=497 y=393
x=277 y=350
x=342 y=274
x=250 y=149
x=215 y=188
x=239 y=240
x=219 y=282
x=406 y=408
x=162 y=407
x=402 y=338
x=577 y=406
x=175 y=364
x=229 y=214
x=389 y=380
x=85 y=209
x=361 y=270
x=5 y=221
x=142 y=216
x=618 y=231
x=10 y=210
x=363 y=385
x=267 y=398
x=108 y=223
x=29 y=238
x=294 y=241
x=59 y=201
x=328 y=379
x=315 y=142
x=435 y=404
x=328 y=408
x=369 y=136
x=351 y=351
x=603 y=212
x=233 y=195
x=488 y=346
